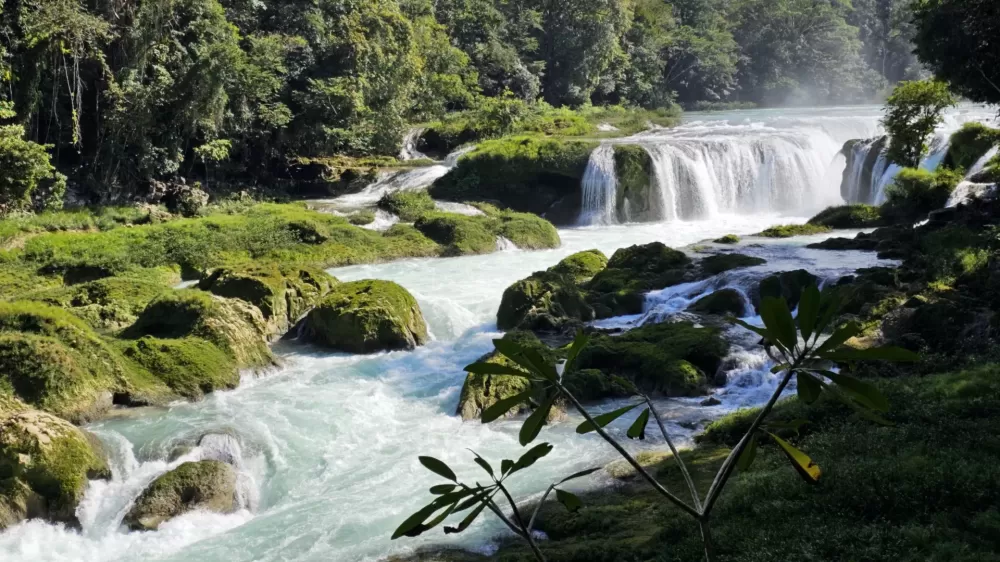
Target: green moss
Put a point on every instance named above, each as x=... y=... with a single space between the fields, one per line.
x=409 y=206
x=790 y=230
x=482 y=391
x=208 y=484
x=361 y=218
x=544 y=301
x=233 y=325
x=670 y=358
x=723 y=302
x=719 y=263
x=460 y=235
x=633 y=271
x=849 y=216
x=728 y=239
x=969 y=144
x=106 y=304
x=916 y=192
x=526 y=174
x=191 y=367
x=49 y=456
x=582 y=266
x=526 y=231
x=637 y=190
x=365 y=317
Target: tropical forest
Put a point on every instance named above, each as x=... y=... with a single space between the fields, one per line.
x=500 y=280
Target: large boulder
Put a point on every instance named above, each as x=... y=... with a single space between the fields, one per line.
x=548 y=300
x=459 y=234
x=45 y=463
x=720 y=263
x=633 y=271
x=638 y=196
x=191 y=367
x=787 y=284
x=234 y=325
x=365 y=317
x=721 y=303
x=109 y=304
x=208 y=485
x=283 y=294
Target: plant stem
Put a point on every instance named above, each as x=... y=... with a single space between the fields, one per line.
x=635 y=464
x=499 y=513
x=706 y=538
x=677 y=457
x=531 y=522
x=730 y=464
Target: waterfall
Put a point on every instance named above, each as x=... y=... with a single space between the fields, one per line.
x=409 y=150
x=600 y=188
x=970 y=188
x=505 y=245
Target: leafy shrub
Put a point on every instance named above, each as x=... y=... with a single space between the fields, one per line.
x=849 y=216
x=913 y=111
x=28 y=179
x=969 y=144
x=915 y=192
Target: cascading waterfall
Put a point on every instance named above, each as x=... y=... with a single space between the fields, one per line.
x=970 y=188
x=600 y=188
x=409 y=150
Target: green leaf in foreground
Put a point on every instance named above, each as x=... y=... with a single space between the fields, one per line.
x=865 y=393
x=501 y=407
x=531 y=457
x=438 y=467
x=604 y=419
x=804 y=465
x=808 y=387
x=570 y=501
x=748 y=455
x=638 y=428
x=533 y=425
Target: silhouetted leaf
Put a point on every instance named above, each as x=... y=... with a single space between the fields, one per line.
x=794 y=425
x=501 y=407
x=580 y=474
x=762 y=332
x=515 y=352
x=484 y=368
x=604 y=419
x=579 y=343
x=838 y=338
x=809 y=310
x=865 y=393
x=531 y=457
x=467 y=521
x=748 y=455
x=505 y=466
x=482 y=463
x=806 y=468
x=778 y=319
x=808 y=387
x=442 y=489
x=438 y=467
x=533 y=425
x=570 y=501
x=638 y=428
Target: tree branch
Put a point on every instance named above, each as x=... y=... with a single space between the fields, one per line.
x=677 y=456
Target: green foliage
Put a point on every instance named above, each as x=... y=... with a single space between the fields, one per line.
x=968 y=144
x=968 y=60
x=790 y=230
x=849 y=216
x=728 y=239
x=29 y=180
x=409 y=206
x=191 y=367
x=913 y=111
x=915 y=192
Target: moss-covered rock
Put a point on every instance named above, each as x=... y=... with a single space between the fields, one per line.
x=460 y=235
x=582 y=266
x=365 y=317
x=787 y=284
x=191 y=367
x=409 y=206
x=45 y=463
x=109 y=304
x=633 y=271
x=790 y=230
x=235 y=326
x=969 y=144
x=672 y=359
x=638 y=198
x=720 y=263
x=862 y=242
x=482 y=391
x=526 y=231
x=527 y=174
x=721 y=303
x=361 y=218
x=547 y=300
x=728 y=239
x=207 y=485
x=850 y=216
x=283 y=294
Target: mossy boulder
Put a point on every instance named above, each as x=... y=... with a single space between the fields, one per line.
x=849 y=216
x=969 y=144
x=582 y=266
x=209 y=485
x=45 y=463
x=671 y=359
x=723 y=302
x=787 y=284
x=366 y=317
x=235 y=326
x=482 y=391
x=638 y=197
x=526 y=231
x=108 y=305
x=728 y=239
x=283 y=294
x=633 y=271
x=861 y=242
x=720 y=263
x=191 y=367
x=409 y=206
x=790 y=230
x=548 y=300
x=459 y=234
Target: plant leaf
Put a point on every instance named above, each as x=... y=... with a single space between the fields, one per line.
x=531 y=457
x=829 y=307
x=890 y=353
x=515 y=352
x=505 y=466
x=809 y=310
x=778 y=319
x=779 y=368
x=865 y=393
x=604 y=419
x=415 y=524
x=484 y=368
x=482 y=463
x=467 y=521
x=580 y=474
x=438 y=467
x=762 y=332
x=570 y=501
x=533 y=425
x=579 y=342
x=806 y=468
x=838 y=338
x=748 y=455
x=542 y=367
x=442 y=489
x=501 y=407
x=638 y=429
x=808 y=387
x=794 y=425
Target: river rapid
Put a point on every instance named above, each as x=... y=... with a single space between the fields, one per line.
x=326 y=445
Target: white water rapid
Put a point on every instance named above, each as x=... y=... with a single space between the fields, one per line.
x=326 y=447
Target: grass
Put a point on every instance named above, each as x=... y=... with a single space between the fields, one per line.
x=790 y=230
x=849 y=216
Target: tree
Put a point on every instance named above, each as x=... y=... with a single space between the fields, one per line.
x=886 y=31
x=913 y=111
x=957 y=39
x=27 y=177
x=794 y=344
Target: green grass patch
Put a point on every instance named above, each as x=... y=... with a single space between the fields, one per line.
x=790 y=230
x=849 y=216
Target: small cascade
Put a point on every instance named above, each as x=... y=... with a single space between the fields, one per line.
x=409 y=150
x=505 y=245
x=600 y=188
x=383 y=221
x=969 y=187
x=980 y=164
x=458 y=208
